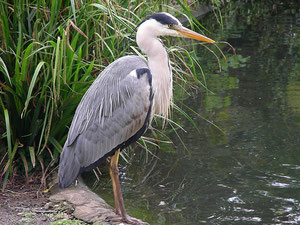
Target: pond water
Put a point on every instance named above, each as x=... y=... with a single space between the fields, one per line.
x=250 y=174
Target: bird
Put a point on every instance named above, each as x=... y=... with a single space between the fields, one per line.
x=120 y=104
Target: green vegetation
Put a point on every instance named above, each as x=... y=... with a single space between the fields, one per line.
x=50 y=52
x=58 y=218
x=67 y=222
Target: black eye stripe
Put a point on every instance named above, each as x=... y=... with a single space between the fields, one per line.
x=163 y=18
x=160 y=17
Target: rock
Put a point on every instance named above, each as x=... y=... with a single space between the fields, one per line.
x=48 y=205
x=87 y=205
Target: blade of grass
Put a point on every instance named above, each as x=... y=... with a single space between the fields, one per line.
x=5 y=181
x=43 y=127
x=107 y=46
x=31 y=86
x=217 y=3
x=55 y=143
x=4 y=70
x=73 y=9
x=180 y=139
x=32 y=155
x=204 y=118
x=170 y=121
x=8 y=137
x=54 y=13
x=17 y=14
x=5 y=25
x=8 y=164
x=188 y=12
x=25 y=58
x=187 y=117
x=55 y=70
x=26 y=168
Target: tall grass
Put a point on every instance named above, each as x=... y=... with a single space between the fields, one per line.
x=50 y=52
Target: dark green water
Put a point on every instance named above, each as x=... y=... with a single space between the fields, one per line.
x=251 y=175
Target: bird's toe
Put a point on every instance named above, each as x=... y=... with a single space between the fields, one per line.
x=126 y=220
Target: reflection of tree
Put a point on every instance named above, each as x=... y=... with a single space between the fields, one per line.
x=267 y=85
x=293 y=97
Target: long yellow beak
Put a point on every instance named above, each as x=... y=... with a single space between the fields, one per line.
x=185 y=32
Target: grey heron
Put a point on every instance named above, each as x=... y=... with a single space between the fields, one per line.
x=120 y=104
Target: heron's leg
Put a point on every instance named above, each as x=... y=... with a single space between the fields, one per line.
x=114 y=174
x=119 y=202
x=111 y=173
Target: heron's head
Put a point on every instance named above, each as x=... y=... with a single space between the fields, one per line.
x=164 y=24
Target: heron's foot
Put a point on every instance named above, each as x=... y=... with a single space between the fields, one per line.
x=134 y=221
x=127 y=219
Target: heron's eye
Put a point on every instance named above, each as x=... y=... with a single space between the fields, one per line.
x=171 y=26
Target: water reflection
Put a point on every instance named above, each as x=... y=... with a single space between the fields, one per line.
x=251 y=175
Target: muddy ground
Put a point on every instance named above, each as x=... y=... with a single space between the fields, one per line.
x=22 y=203
x=28 y=204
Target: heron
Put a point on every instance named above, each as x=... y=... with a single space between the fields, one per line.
x=120 y=104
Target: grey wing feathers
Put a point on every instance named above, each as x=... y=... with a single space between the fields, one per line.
x=97 y=102
x=113 y=109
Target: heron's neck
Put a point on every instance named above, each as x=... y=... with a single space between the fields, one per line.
x=158 y=62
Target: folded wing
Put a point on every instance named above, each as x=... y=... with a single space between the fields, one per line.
x=114 y=112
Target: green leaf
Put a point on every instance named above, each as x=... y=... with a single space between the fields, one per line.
x=31 y=86
x=25 y=64
x=25 y=163
x=8 y=137
x=4 y=70
x=55 y=143
x=32 y=155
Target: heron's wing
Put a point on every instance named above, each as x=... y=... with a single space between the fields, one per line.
x=110 y=91
x=113 y=110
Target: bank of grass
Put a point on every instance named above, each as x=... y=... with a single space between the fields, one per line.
x=50 y=53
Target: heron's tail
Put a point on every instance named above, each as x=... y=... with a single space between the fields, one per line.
x=69 y=167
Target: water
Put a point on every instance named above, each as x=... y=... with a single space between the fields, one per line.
x=251 y=175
